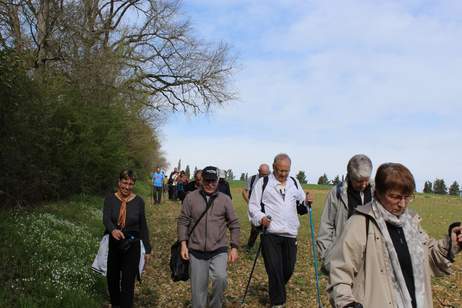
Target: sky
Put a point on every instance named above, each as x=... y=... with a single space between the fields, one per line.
x=324 y=80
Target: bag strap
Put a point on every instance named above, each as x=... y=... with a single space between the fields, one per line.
x=296 y=185
x=295 y=182
x=265 y=183
x=208 y=205
x=367 y=237
x=338 y=190
x=252 y=180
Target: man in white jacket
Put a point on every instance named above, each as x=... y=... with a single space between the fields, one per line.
x=278 y=197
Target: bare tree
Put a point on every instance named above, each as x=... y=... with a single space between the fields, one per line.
x=136 y=46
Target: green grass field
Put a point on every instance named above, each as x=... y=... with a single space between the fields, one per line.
x=46 y=254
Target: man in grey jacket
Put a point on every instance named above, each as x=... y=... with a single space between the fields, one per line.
x=341 y=202
x=207 y=247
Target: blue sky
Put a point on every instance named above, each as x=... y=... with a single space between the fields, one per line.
x=324 y=80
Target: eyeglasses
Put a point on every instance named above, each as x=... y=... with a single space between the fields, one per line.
x=397 y=198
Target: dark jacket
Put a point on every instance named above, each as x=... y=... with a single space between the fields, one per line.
x=135 y=221
x=210 y=233
x=223 y=186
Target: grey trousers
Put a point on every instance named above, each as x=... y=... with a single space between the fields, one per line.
x=200 y=271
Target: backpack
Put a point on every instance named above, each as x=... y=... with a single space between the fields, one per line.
x=252 y=180
x=301 y=208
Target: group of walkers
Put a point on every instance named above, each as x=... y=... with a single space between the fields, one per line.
x=177 y=184
x=371 y=245
x=174 y=185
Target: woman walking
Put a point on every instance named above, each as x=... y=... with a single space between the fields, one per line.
x=383 y=257
x=125 y=222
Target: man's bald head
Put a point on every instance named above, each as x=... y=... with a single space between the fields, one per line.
x=263 y=170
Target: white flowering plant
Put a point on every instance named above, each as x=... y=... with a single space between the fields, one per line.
x=46 y=255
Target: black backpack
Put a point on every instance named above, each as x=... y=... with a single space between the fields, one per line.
x=252 y=180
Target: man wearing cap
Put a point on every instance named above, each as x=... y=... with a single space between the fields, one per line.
x=207 y=248
x=275 y=209
x=341 y=202
x=263 y=170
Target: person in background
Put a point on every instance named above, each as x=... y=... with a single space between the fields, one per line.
x=172 y=181
x=263 y=170
x=157 y=185
x=165 y=188
x=223 y=185
x=181 y=184
x=341 y=203
x=125 y=221
x=196 y=183
x=383 y=257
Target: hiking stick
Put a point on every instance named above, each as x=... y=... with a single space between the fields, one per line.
x=253 y=267
x=315 y=256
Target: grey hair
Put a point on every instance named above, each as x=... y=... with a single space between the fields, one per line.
x=281 y=156
x=263 y=166
x=359 y=166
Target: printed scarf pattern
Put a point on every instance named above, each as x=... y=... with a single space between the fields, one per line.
x=415 y=242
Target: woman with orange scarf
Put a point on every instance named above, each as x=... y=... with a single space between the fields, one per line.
x=124 y=219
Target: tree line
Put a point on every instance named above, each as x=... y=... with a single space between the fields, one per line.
x=322 y=180
x=84 y=88
x=439 y=187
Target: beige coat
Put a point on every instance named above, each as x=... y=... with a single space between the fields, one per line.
x=357 y=269
x=333 y=218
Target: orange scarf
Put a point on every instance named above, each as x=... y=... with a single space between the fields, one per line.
x=123 y=209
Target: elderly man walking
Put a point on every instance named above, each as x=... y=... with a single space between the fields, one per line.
x=263 y=170
x=278 y=196
x=341 y=203
x=207 y=247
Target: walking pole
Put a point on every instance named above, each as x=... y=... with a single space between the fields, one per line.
x=152 y=197
x=253 y=267
x=315 y=256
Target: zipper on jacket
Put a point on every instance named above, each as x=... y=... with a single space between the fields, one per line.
x=207 y=205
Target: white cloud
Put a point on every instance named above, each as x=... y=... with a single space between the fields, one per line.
x=323 y=80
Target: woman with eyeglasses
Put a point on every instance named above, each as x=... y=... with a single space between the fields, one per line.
x=124 y=219
x=383 y=257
